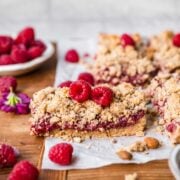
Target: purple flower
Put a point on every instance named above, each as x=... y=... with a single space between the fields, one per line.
x=17 y=103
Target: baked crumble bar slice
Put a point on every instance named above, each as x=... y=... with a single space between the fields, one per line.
x=165 y=93
x=113 y=68
x=166 y=55
x=108 y=42
x=54 y=113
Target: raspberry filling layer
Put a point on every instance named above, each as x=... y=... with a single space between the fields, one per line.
x=44 y=126
x=134 y=80
x=137 y=79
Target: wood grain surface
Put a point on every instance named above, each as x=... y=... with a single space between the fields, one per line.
x=14 y=129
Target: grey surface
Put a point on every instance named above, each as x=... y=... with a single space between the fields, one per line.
x=56 y=19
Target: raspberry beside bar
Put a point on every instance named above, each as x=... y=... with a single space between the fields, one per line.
x=55 y=113
x=165 y=93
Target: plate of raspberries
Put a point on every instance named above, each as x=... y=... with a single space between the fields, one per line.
x=23 y=53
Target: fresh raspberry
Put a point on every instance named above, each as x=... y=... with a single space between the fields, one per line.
x=102 y=96
x=127 y=40
x=38 y=43
x=19 y=46
x=176 y=40
x=88 y=77
x=72 y=56
x=5 y=44
x=171 y=127
x=34 y=52
x=7 y=82
x=24 y=170
x=26 y=36
x=65 y=84
x=7 y=156
x=6 y=59
x=19 y=54
x=61 y=153
x=80 y=91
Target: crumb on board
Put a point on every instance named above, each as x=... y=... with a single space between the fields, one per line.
x=140 y=133
x=133 y=176
x=138 y=146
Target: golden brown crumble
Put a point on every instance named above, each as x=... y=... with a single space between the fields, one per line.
x=108 y=42
x=121 y=62
x=165 y=89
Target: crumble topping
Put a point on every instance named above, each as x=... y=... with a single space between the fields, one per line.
x=53 y=105
x=122 y=66
x=166 y=55
x=165 y=92
x=138 y=146
x=108 y=42
x=164 y=38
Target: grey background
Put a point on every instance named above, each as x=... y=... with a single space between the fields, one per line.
x=57 y=19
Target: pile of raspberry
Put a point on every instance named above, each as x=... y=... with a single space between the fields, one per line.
x=23 y=48
x=21 y=170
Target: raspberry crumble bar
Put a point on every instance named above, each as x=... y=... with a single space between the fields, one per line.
x=59 y=112
x=165 y=93
x=166 y=47
x=114 y=68
x=122 y=59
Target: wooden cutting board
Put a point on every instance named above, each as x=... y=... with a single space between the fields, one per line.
x=14 y=129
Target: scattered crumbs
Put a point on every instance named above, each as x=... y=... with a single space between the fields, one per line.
x=146 y=152
x=160 y=143
x=140 y=133
x=160 y=129
x=138 y=146
x=77 y=139
x=88 y=146
x=114 y=141
x=133 y=176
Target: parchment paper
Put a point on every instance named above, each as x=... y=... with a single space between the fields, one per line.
x=97 y=152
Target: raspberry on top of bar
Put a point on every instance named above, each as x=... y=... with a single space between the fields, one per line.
x=108 y=42
x=166 y=48
x=165 y=93
x=56 y=113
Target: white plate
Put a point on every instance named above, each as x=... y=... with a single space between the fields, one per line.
x=23 y=68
